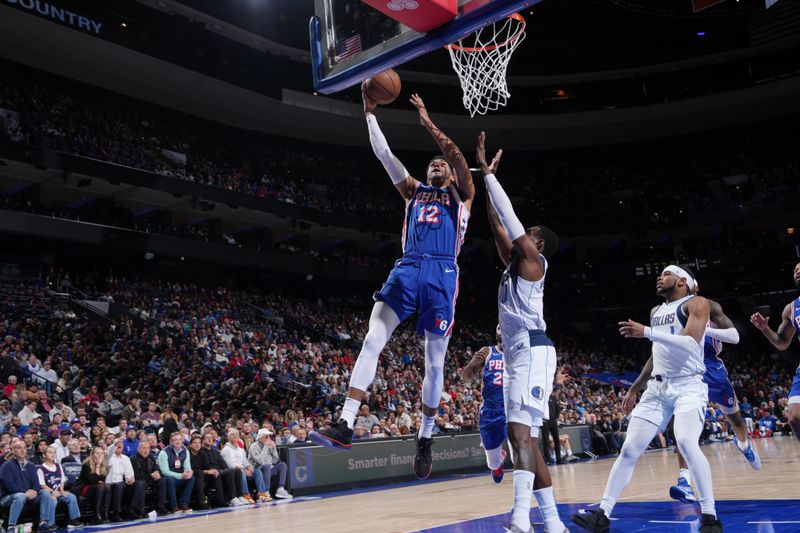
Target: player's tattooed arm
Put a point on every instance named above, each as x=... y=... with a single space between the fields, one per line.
x=472 y=369
x=450 y=150
x=782 y=338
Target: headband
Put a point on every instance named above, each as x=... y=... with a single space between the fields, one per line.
x=681 y=273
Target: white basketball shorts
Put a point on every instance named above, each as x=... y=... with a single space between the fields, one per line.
x=530 y=362
x=671 y=396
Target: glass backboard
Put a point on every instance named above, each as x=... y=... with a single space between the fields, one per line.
x=351 y=41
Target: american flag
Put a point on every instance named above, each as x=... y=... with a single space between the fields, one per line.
x=347 y=48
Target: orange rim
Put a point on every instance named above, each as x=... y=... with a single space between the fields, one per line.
x=514 y=16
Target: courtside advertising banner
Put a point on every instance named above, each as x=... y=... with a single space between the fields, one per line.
x=371 y=460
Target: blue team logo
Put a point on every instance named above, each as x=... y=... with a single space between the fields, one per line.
x=537 y=393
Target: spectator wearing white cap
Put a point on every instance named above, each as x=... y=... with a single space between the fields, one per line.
x=264 y=456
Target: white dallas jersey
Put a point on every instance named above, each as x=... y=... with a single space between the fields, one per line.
x=520 y=303
x=670 y=318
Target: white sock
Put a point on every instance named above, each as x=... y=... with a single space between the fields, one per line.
x=685 y=474
x=427 y=426
x=494 y=458
x=350 y=410
x=523 y=486
x=547 y=505
x=742 y=444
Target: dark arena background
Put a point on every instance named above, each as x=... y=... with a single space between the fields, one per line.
x=193 y=223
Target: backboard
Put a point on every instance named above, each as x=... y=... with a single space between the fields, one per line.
x=351 y=41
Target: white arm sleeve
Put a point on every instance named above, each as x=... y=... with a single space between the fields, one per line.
x=502 y=204
x=682 y=343
x=729 y=335
x=397 y=172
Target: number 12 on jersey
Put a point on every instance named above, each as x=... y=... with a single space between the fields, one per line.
x=428 y=214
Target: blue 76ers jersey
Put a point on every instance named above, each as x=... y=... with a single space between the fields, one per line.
x=712 y=348
x=796 y=316
x=493 y=380
x=435 y=222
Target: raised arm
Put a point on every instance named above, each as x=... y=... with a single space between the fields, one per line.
x=723 y=329
x=530 y=264
x=405 y=184
x=473 y=368
x=782 y=338
x=501 y=239
x=450 y=151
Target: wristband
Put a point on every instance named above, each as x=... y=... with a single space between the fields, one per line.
x=482 y=163
x=648 y=333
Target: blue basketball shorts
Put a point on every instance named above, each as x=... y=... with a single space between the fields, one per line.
x=493 y=428
x=794 y=392
x=423 y=283
x=720 y=390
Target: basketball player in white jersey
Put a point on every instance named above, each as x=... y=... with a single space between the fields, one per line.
x=782 y=339
x=530 y=357
x=493 y=426
x=720 y=391
x=677 y=331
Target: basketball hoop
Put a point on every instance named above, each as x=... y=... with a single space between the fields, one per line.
x=481 y=61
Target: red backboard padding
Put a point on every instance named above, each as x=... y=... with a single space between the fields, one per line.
x=419 y=15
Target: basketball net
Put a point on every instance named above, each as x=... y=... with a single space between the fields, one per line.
x=481 y=61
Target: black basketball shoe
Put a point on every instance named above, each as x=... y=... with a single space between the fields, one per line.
x=594 y=521
x=710 y=524
x=423 y=461
x=338 y=437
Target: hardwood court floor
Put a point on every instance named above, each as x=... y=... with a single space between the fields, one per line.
x=419 y=506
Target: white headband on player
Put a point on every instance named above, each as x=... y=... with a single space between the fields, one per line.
x=681 y=273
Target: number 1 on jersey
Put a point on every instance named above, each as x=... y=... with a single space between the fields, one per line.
x=428 y=214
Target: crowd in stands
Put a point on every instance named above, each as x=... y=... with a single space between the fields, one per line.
x=736 y=170
x=218 y=379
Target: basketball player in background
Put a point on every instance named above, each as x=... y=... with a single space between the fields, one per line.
x=720 y=391
x=677 y=331
x=488 y=364
x=781 y=339
x=530 y=357
x=424 y=280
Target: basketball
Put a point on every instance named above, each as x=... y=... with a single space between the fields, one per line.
x=383 y=88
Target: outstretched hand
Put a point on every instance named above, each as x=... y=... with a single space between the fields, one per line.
x=758 y=320
x=561 y=377
x=424 y=118
x=631 y=330
x=369 y=105
x=480 y=154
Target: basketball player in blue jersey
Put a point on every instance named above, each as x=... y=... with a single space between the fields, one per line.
x=781 y=339
x=488 y=363
x=720 y=391
x=677 y=331
x=424 y=280
x=530 y=357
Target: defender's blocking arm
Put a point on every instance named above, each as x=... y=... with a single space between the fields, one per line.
x=531 y=267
